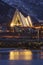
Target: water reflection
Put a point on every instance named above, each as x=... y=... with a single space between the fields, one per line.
x=4 y=55
x=20 y=55
x=41 y=55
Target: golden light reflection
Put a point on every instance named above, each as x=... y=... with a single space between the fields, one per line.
x=21 y=55
x=14 y=55
x=28 y=55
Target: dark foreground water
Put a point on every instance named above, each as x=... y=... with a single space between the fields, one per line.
x=10 y=56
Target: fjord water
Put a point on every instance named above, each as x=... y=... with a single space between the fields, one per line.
x=11 y=56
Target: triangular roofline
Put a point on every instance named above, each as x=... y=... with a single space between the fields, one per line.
x=26 y=21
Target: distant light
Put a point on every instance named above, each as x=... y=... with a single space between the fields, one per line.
x=37 y=27
x=14 y=55
x=12 y=25
x=20 y=55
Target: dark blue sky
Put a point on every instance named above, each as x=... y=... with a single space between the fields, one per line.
x=29 y=7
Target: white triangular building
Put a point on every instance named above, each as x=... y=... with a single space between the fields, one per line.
x=20 y=20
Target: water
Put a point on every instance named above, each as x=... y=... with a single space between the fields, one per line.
x=10 y=56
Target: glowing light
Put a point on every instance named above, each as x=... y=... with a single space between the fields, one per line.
x=38 y=27
x=28 y=55
x=20 y=20
x=12 y=24
x=27 y=23
x=14 y=55
x=21 y=55
x=29 y=20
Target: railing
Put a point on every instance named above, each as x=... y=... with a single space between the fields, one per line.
x=23 y=32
